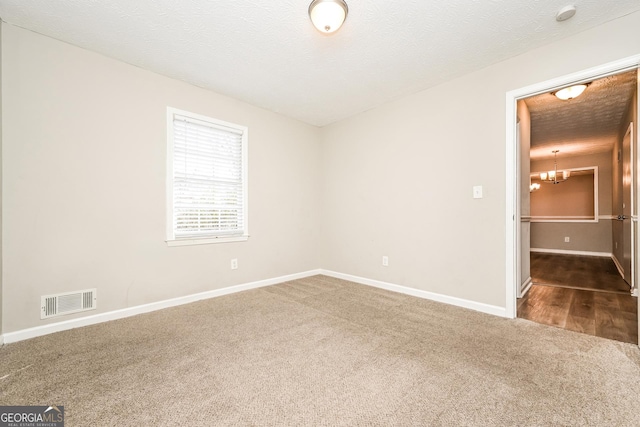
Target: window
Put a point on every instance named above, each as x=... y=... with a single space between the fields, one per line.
x=206 y=180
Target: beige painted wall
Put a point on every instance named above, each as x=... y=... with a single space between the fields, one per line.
x=84 y=145
x=524 y=122
x=397 y=180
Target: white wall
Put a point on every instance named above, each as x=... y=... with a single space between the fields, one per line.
x=84 y=144
x=397 y=180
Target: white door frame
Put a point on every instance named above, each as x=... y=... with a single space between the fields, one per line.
x=512 y=221
x=632 y=209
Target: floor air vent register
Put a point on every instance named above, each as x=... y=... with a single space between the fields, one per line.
x=67 y=303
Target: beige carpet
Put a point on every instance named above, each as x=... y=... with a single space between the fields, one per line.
x=321 y=351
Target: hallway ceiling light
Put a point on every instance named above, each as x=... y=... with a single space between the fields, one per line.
x=570 y=92
x=551 y=177
x=328 y=15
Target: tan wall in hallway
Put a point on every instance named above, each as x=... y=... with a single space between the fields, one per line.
x=584 y=237
x=572 y=198
x=588 y=237
x=602 y=160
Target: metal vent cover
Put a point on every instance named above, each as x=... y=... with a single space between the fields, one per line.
x=67 y=303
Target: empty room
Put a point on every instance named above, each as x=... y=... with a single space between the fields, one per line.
x=234 y=213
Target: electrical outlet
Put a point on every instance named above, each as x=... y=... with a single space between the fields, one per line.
x=616 y=245
x=385 y=261
x=234 y=264
x=567 y=239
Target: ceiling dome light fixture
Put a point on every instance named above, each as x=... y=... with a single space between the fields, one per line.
x=570 y=92
x=328 y=15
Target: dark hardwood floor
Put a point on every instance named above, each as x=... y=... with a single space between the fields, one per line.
x=580 y=272
x=582 y=294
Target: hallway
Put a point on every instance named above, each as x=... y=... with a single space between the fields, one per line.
x=580 y=293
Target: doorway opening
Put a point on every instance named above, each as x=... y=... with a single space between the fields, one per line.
x=566 y=254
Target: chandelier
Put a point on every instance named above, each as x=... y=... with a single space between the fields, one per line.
x=551 y=177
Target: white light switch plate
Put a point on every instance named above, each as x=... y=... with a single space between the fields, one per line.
x=477 y=192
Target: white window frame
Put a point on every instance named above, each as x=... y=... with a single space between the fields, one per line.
x=171 y=238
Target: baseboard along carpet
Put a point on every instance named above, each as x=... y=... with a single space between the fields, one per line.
x=324 y=351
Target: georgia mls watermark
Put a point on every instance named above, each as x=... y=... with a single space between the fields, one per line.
x=31 y=416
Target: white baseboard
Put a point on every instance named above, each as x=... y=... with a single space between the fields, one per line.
x=526 y=285
x=473 y=305
x=568 y=252
x=37 y=331
x=618 y=265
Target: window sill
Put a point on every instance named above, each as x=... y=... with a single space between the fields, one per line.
x=206 y=241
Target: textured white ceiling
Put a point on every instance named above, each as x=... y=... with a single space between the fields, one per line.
x=267 y=53
x=588 y=124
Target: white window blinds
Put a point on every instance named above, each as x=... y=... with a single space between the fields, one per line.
x=208 y=188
